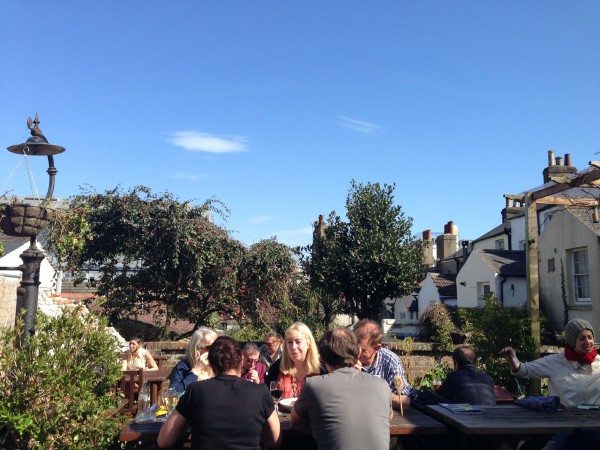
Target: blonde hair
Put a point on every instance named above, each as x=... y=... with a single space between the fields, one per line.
x=201 y=339
x=312 y=362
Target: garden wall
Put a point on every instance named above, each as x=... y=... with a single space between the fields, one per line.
x=8 y=301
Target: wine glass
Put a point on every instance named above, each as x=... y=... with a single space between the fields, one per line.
x=276 y=392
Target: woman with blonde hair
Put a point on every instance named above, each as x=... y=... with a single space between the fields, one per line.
x=300 y=360
x=194 y=365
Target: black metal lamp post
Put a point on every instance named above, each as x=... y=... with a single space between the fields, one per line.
x=28 y=220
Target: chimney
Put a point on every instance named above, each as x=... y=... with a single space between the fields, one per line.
x=447 y=243
x=556 y=168
x=428 y=256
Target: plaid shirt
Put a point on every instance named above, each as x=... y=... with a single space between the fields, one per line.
x=387 y=365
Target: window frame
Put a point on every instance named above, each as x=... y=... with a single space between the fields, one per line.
x=580 y=276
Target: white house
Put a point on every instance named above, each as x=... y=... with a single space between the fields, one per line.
x=500 y=272
x=437 y=288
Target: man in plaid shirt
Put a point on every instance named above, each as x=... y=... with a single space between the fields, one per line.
x=382 y=362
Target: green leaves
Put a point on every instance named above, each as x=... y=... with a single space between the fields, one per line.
x=60 y=385
x=370 y=257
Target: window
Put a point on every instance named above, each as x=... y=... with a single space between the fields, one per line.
x=522 y=244
x=551 y=265
x=581 y=276
x=403 y=315
x=499 y=244
x=482 y=290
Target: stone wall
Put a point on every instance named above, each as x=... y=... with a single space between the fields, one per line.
x=8 y=301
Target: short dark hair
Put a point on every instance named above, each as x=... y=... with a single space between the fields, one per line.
x=339 y=348
x=224 y=354
x=463 y=355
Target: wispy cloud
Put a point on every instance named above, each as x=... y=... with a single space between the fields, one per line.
x=192 y=176
x=259 y=219
x=358 y=125
x=196 y=141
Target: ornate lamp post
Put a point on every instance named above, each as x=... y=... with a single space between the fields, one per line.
x=28 y=220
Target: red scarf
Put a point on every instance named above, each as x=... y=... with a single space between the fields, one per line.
x=586 y=358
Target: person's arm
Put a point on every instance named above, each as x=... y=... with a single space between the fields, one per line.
x=172 y=430
x=150 y=363
x=271 y=435
x=511 y=358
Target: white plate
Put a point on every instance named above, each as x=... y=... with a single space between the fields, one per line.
x=286 y=403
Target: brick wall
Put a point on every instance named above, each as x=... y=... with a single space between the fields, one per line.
x=8 y=301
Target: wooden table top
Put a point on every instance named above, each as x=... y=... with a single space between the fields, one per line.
x=413 y=422
x=515 y=420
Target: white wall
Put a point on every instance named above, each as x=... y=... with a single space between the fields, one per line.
x=516 y=296
x=428 y=294
x=13 y=259
x=517 y=230
x=474 y=271
x=490 y=244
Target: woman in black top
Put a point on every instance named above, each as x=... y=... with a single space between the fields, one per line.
x=224 y=412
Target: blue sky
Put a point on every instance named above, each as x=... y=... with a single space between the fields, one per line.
x=274 y=106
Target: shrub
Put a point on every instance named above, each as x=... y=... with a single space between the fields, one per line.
x=493 y=327
x=436 y=375
x=57 y=391
x=437 y=322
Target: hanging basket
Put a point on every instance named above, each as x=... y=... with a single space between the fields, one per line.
x=24 y=219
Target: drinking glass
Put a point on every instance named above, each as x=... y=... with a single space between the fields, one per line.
x=276 y=392
x=171 y=399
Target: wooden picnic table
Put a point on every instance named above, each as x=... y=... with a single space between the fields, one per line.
x=155 y=379
x=413 y=422
x=507 y=423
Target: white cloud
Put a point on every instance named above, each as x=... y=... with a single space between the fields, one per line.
x=358 y=125
x=196 y=141
x=192 y=176
x=259 y=219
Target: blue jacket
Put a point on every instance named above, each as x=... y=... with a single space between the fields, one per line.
x=182 y=376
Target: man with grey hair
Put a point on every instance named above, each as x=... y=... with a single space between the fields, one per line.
x=252 y=369
x=272 y=349
x=346 y=408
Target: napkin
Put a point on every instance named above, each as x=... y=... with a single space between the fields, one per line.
x=549 y=403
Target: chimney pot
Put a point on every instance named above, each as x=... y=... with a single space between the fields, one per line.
x=559 y=161
x=550 y=158
x=427 y=235
x=567 y=159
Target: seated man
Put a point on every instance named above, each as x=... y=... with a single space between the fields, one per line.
x=252 y=369
x=346 y=408
x=272 y=349
x=382 y=362
x=467 y=384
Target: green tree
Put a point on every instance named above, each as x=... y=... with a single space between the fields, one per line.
x=152 y=249
x=369 y=258
x=265 y=278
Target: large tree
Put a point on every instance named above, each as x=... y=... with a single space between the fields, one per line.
x=151 y=249
x=368 y=258
x=155 y=252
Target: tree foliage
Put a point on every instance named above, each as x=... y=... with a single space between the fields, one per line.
x=155 y=250
x=368 y=258
x=57 y=392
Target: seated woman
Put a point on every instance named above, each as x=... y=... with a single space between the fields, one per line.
x=194 y=365
x=138 y=357
x=573 y=376
x=226 y=411
x=300 y=360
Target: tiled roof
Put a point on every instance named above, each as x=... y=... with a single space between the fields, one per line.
x=585 y=216
x=445 y=283
x=82 y=288
x=510 y=263
x=497 y=231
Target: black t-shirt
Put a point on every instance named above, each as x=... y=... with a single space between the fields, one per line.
x=226 y=412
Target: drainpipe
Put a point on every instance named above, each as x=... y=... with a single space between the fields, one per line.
x=508 y=232
x=502 y=290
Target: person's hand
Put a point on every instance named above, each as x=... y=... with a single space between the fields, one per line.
x=254 y=376
x=508 y=352
x=358 y=365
